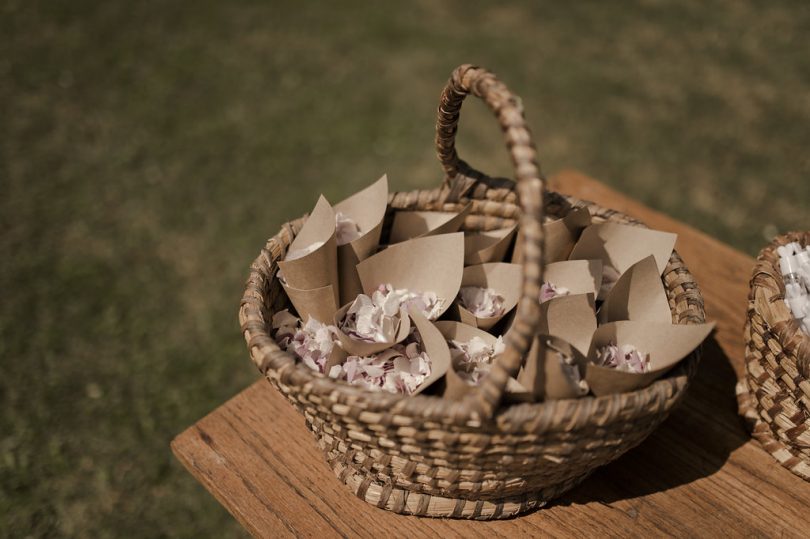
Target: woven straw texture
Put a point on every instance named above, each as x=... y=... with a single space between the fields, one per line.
x=774 y=396
x=426 y=456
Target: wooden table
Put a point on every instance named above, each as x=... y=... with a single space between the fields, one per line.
x=699 y=474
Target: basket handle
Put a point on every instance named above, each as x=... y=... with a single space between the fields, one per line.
x=469 y=79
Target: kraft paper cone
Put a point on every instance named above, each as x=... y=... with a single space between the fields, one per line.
x=505 y=279
x=501 y=328
x=418 y=224
x=667 y=344
x=434 y=346
x=318 y=268
x=456 y=387
x=637 y=295
x=578 y=276
x=546 y=376
x=570 y=318
x=516 y=392
x=364 y=349
x=318 y=303
x=431 y=264
x=621 y=246
x=367 y=208
x=560 y=236
x=488 y=246
x=336 y=357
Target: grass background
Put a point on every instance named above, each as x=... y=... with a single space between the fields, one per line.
x=147 y=150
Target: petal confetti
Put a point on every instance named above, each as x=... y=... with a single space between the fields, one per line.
x=399 y=369
x=626 y=358
x=312 y=343
x=476 y=357
x=346 y=229
x=550 y=291
x=482 y=302
x=376 y=318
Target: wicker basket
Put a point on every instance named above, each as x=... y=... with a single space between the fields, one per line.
x=473 y=459
x=774 y=396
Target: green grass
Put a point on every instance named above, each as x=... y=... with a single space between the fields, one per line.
x=147 y=150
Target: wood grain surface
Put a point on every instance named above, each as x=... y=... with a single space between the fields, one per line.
x=699 y=474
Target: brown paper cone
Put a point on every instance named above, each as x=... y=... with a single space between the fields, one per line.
x=570 y=318
x=419 y=224
x=456 y=387
x=667 y=344
x=637 y=295
x=364 y=349
x=337 y=357
x=318 y=268
x=621 y=246
x=516 y=393
x=367 y=208
x=430 y=264
x=543 y=374
x=505 y=279
x=560 y=236
x=489 y=246
x=435 y=347
x=318 y=303
x=578 y=276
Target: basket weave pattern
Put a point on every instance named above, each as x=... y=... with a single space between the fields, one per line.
x=473 y=459
x=774 y=396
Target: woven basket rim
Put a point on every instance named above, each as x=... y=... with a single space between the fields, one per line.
x=524 y=417
x=772 y=391
x=767 y=282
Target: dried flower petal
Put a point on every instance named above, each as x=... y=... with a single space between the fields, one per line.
x=368 y=321
x=399 y=369
x=482 y=302
x=376 y=318
x=550 y=290
x=475 y=357
x=346 y=229
x=312 y=343
x=625 y=358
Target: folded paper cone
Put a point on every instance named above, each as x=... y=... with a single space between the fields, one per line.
x=637 y=295
x=418 y=224
x=505 y=279
x=516 y=392
x=578 y=276
x=505 y=325
x=434 y=346
x=336 y=357
x=456 y=387
x=318 y=268
x=489 y=246
x=356 y=347
x=367 y=209
x=560 y=236
x=666 y=344
x=621 y=246
x=570 y=318
x=318 y=303
x=431 y=264
x=547 y=376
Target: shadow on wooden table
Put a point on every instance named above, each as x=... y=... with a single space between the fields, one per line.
x=693 y=443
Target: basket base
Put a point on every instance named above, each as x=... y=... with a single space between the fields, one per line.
x=785 y=455
x=407 y=502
